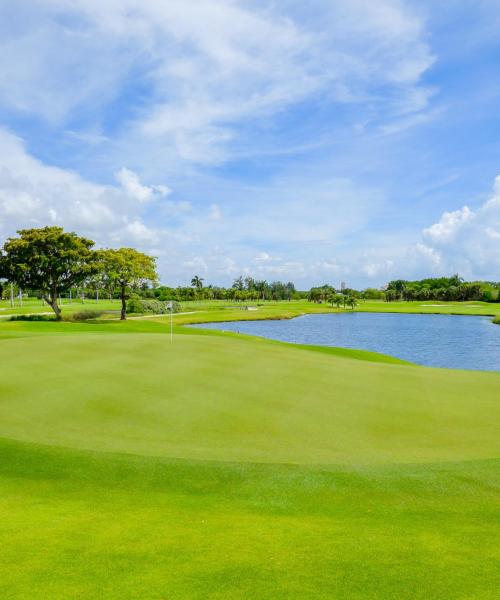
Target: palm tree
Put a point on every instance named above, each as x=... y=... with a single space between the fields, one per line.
x=351 y=301
x=336 y=299
x=399 y=286
x=197 y=282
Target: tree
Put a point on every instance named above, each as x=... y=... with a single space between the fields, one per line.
x=351 y=301
x=127 y=268
x=197 y=282
x=336 y=299
x=320 y=294
x=239 y=284
x=48 y=260
x=399 y=286
x=262 y=288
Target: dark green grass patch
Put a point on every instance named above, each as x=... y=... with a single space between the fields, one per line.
x=86 y=525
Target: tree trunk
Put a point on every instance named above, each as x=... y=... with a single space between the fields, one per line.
x=52 y=302
x=124 y=304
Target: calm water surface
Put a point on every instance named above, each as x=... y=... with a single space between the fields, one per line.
x=455 y=342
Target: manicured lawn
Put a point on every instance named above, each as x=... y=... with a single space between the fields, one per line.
x=229 y=467
x=34 y=305
x=219 y=310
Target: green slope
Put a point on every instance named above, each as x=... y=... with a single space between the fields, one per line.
x=230 y=467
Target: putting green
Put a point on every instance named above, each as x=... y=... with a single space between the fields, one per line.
x=231 y=399
x=228 y=467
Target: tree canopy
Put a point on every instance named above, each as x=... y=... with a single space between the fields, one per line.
x=126 y=268
x=437 y=288
x=48 y=260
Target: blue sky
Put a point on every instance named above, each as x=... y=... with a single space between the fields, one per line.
x=324 y=141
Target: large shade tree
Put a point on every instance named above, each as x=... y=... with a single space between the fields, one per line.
x=48 y=260
x=125 y=269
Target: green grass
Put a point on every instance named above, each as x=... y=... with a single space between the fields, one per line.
x=223 y=466
x=35 y=306
x=218 y=310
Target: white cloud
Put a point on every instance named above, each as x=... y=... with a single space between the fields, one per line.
x=263 y=257
x=33 y=194
x=210 y=67
x=135 y=189
x=310 y=235
x=463 y=241
x=378 y=270
x=449 y=226
x=141 y=234
x=467 y=240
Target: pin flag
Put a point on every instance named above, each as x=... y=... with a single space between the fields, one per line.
x=170 y=307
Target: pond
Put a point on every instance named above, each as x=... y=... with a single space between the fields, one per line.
x=451 y=341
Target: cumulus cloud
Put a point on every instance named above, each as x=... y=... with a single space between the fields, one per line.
x=466 y=240
x=135 y=189
x=33 y=194
x=449 y=226
x=463 y=241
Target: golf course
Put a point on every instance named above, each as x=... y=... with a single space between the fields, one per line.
x=227 y=466
x=249 y=300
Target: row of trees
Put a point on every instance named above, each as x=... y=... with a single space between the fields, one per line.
x=243 y=289
x=50 y=262
x=441 y=288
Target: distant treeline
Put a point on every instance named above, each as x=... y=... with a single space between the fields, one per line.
x=438 y=288
x=442 y=288
x=242 y=289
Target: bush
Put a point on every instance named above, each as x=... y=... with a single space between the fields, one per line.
x=134 y=304
x=84 y=315
x=154 y=307
x=146 y=306
x=32 y=318
x=176 y=307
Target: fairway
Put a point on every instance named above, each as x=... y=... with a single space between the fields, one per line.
x=219 y=464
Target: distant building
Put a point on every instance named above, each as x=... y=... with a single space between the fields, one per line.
x=342 y=286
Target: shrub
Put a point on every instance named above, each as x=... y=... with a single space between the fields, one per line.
x=134 y=304
x=154 y=307
x=32 y=318
x=176 y=307
x=84 y=315
x=149 y=306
